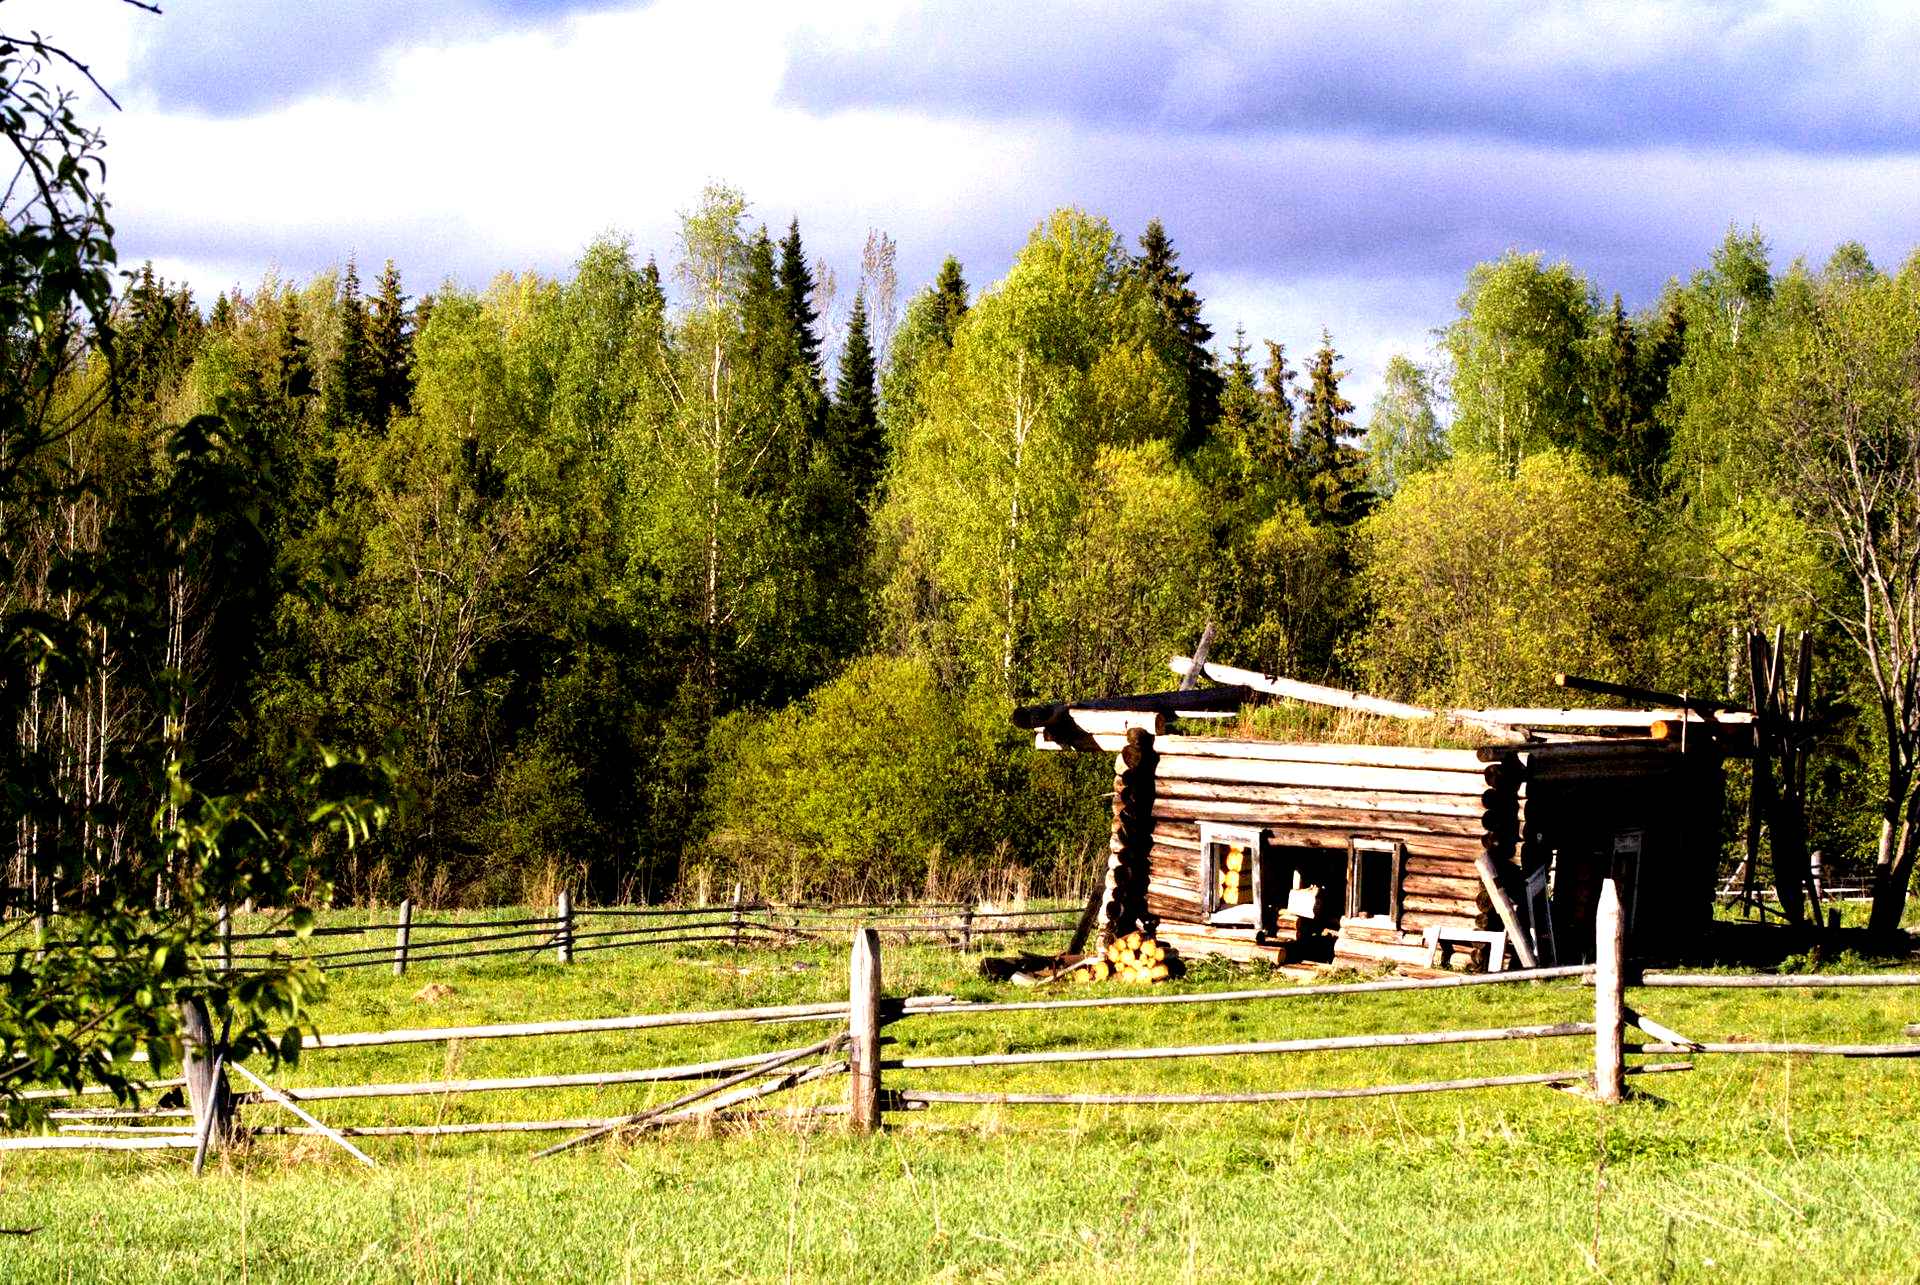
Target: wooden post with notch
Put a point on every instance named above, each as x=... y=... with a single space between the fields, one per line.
x=563 y=937
x=402 y=937
x=1609 y=995
x=863 y=1028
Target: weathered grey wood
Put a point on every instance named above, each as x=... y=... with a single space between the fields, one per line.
x=1315 y=694
x=1359 y=755
x=1789 y=981
x=210 y=1122
x=276 y=1096
x=1665 y=1034
x=863 y=1027
x=589 y=1025
x=1336 y=776
x=1503 y=906
x=736 y=914
x=771 y=1064
x=77 y=1142
x=585 y=1079
x=1609 y=1005
x=563 y=937
x=201 y=1067
x=1811 y=1050
x=1325 y=1044
x=1278 y=1095
x=226 y=939
x=401 y=938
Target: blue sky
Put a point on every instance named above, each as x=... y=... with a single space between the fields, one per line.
x=1325 y=163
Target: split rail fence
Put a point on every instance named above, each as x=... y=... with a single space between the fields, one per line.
x=736 y=1086
x=570 y=930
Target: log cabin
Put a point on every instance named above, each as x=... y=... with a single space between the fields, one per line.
x=1470 y=858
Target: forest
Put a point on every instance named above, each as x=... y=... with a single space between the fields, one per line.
x=694 y=566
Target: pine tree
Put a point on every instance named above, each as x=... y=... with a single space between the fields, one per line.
x=1240 y=399
x=1332 y=469
x=950 y=288
x=220 y=321
x=1172 y=290
x=390 y=350
x=350 y=375
x=293 y=362
x=1274 y=452
x=796 y=290
x=653 y=295
x=855 y=416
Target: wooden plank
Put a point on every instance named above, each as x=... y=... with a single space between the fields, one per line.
x=75 y=1142
x=1324 y=1044
x=1407 y=802
x=1276 y=1095
x=281 y=1099
x=1356 y=755
x=1318 y=818
x=1336 y=776
x=1338 y=698
x=1503 y=906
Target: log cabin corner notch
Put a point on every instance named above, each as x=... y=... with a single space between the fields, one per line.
x=1380 y=854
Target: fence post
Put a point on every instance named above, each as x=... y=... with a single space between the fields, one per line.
x=402 y=937
x=563 y=940
x=226 y=938
x=966 y=928
x=736 y=914
x=863 y=1024
x=1609 y=997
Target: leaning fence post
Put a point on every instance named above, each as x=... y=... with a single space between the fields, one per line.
x=966 y=928
x=226 y=938
x=563 y=939
x=1609 y=998
x=863 y=1026
x=402 y=937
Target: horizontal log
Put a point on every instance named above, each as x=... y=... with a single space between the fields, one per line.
x=1335 y=776
x=1810 y=1050
x=75 y=1142
x=583 y=1026
x=1029 y=718
x=931 y=1096
x=1411 y=803
x=1275 y=815
x=1359 y=755
x=1787 y=981
x=1338 y=698
x=1324 y=1044
x=1538 y=716
x=584 y=1079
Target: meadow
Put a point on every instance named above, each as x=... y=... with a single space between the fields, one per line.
x=1751 y=1168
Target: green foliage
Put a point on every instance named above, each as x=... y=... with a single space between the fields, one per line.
x=879 y=783
x=1482 y=586
x=1518 y=354
x=1172 y=289
x=1404 y=435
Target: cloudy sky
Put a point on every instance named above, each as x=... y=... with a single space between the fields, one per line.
x=1333 y=162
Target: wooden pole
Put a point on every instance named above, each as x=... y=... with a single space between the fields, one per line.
x=1609 y=995
x=401 y=937
x=863 y=1026
x=966 y=929
x=736 y=914
x=1516 y=936
x=1327 y=1044
x=1278 y=1095
x=200 y=1063
x=274 y=1095
x=563 y=945
x=226 y=939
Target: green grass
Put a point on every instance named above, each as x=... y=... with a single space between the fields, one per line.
x=1748 y=1168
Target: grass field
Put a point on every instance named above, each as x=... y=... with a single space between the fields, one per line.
x=1749 y=1168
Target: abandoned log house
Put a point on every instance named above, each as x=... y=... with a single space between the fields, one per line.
x=1376 y=854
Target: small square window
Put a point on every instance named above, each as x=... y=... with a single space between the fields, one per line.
x=1373 y=880
x=1231 y=878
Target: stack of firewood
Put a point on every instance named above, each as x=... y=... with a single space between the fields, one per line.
x=1135 y=957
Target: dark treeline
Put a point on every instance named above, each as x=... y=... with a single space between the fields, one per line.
x=651 y=579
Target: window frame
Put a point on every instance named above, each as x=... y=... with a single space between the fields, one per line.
x=1255 y=840
x=1396 y=852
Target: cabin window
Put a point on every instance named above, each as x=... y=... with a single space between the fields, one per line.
x=1373 y=880
x=1230 y=874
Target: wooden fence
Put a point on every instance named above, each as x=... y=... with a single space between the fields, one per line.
x=732 y=1086
x=405 y=941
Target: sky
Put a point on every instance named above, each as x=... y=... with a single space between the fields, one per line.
x=1321 y=163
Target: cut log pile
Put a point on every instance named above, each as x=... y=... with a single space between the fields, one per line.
x=1135 y=957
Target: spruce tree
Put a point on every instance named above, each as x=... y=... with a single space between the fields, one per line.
x=220 y=321
x=1332 y=469
x=350 y=375
x=796 y=290
x=855 y=416
x=1240 y=400
x=950 y=288
x=390 y=350
x=1274 y=451
x=1172 y=289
